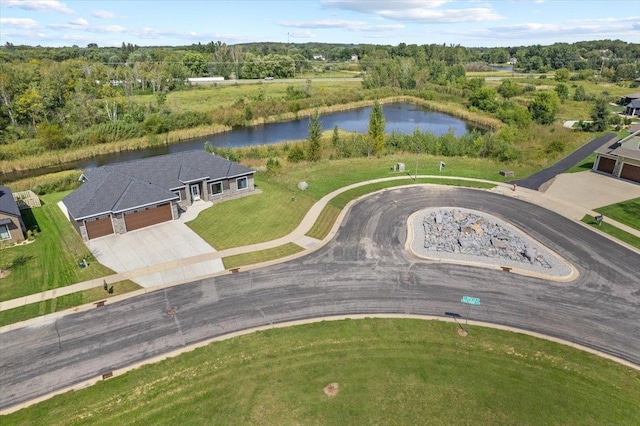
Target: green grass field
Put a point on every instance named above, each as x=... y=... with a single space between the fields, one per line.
x=627 y=212
x=613 y=231
x=61 y=303
x=273 y=214
x=51 y=261
x=584 y=165
x=261 y=256
x=204 y=98
x=388 y=371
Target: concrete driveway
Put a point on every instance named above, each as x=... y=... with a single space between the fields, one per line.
x=144 y=248
x=592 y=190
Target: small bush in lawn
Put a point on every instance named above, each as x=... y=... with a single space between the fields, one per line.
x=273 y=166
x=296 y=154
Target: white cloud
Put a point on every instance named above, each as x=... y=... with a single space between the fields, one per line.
x=301 y=34
x=341 y=24
x=23 y=23
x=568 y=30
x=327 y=23
x=38 y=5
x=416 y=10
x=103 y=14
x=478 y=14
x=375 y=6
x=111 y=29
x=79 y=22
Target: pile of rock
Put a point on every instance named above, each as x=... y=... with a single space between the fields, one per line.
x=467 y=233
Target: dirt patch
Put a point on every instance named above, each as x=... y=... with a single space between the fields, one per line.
x=4 y=273
x=331 y=389
x=462 y=332
x=546 y=185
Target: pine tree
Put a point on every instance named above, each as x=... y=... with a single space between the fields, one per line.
x=376 y=129
x=314 y=150
x=335 y=138
x=599 y=115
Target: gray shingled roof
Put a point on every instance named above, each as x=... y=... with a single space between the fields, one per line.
x=633 y=104
x=126 y=186
x=7 y=203
x=614 y=147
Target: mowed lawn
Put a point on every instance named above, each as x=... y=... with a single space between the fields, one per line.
x=51 y=261
x=281 y=206
x=627 y=212
x=33 y=310
x=388 y=371
x=617 y=233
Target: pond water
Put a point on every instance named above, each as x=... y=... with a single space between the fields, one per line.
x=399 y=117
x=508 y=68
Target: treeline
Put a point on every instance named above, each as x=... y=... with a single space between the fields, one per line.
x=535 y=58
x=66 y=97
x=500 y=145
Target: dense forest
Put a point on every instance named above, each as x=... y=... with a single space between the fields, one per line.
x=55 y=98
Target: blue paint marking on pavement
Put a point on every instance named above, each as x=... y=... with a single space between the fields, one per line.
x=470 y=300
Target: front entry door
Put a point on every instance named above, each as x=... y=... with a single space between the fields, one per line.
x=195 y=192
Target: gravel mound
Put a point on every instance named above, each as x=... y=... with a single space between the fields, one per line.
x=473 y=236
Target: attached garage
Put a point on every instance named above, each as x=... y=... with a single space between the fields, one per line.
x=606 y=164
x=630 y=172
x=99 y=227
x=150 y=216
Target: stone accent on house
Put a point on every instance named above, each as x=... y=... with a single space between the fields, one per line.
x=119 y=227
x=174 y=211
x=83 y=232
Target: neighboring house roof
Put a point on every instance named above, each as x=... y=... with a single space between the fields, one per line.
x=626 y=153
x=7 y=203
x=610 y=145
x=616 y=148
x=631 y=96
x=633 y=104
x=126 y=186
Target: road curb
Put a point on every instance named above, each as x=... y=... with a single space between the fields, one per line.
x=118 y=372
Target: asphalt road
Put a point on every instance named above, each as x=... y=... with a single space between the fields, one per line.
x=535 y=181
x=364 y=269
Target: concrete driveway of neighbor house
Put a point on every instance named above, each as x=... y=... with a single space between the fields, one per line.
x=592 y=190
x=155 y=245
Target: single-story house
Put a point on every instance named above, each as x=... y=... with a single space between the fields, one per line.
x=12 y=227
x=624 y=100
x=620 y=158
x=126 y=196
x=632 y=108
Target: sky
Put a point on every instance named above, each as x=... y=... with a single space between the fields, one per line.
x=470 y=23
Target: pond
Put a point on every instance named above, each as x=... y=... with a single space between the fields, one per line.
x=399 y=117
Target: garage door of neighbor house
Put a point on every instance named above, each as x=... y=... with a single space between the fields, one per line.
x=99 y=227
x=630 y=172
x=606 y=164
x=148 y=217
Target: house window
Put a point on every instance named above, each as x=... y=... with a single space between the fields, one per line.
x=179 y=194
x=216 y=188
x=4 y=232
x=242 y=183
